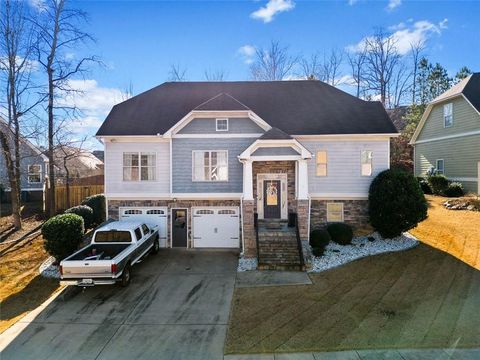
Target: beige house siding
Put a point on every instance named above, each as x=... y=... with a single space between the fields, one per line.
x=460 y=155
x=465 y=119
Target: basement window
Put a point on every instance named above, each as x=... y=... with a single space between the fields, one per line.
x=335 y=212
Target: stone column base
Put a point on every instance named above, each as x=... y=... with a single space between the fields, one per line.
x=302 y=214
x=249 y=237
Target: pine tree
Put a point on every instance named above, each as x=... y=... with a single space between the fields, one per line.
x=462 y=74
x=438 y=81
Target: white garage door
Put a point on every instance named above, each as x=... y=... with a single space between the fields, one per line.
x=216 y=227
x=149 y=215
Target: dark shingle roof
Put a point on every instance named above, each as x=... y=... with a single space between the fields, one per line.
x=297 y=107
x=222 y=102
x=472 y=90
x=275 y=134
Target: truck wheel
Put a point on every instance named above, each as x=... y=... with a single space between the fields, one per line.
x=155 y=247
x=126 y=276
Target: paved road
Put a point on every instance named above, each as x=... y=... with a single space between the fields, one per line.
x=176 y=307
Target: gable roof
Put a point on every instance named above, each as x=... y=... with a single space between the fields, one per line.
x=307 y=107
x=275 y=134
x=221 y=102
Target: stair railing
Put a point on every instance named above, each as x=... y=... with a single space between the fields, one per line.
x=299 y=242
x=255 y=225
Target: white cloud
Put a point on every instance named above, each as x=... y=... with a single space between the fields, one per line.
x=352 y=2
x=38 y=5
x=392 y=4
x=247 y=52
x=408 y=34
x=272 y=8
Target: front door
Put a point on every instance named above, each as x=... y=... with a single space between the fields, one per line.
x=271 y=199
x=179 y=228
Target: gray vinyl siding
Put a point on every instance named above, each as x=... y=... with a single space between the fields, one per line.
x=460 y=155
x=465 y=119
x=235 y=126
x=273 y=151
x=182 y=165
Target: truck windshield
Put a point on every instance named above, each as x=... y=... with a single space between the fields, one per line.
x=112 y=236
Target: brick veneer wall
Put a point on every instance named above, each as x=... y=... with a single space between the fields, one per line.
x=277 y=167
x=114 y=205
x=355 y=212
x=302 y=214
x=249 y=236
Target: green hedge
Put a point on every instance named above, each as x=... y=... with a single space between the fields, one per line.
x=62 y=234
x=85 y=212
x=340 y=233
x=396 y=203
x=454 y=189
x=438 y=183
x=98 y=205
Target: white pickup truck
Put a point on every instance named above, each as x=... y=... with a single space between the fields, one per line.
x=114 y=249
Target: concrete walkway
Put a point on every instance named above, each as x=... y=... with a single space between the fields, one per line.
x=410 y=354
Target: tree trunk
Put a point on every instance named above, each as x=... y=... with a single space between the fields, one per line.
x=67 y=182
x=14 y=186
x=50 y=152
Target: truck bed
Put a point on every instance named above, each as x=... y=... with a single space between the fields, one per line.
x=103 y=252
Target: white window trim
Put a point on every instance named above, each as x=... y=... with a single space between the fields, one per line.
x=444 y=117
x=361 y=163
x=326 y=163
x=209 y=151
x=221 y=119
x=436 y=165
x=140 y=153
x=28 y=174
x=343 y=211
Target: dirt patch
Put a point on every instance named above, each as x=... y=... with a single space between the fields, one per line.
x=420 y=298
x=453 y=231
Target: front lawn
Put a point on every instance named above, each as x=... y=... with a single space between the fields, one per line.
x=456 y=232
x=420 y=298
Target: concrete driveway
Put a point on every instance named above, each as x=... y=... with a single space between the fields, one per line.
x=176 y=307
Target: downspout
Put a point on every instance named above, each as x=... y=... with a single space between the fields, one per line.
x=241 y=223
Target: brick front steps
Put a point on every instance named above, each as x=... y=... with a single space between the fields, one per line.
x=277 y=245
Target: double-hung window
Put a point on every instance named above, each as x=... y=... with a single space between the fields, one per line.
x=210 y=165
x=440 y=167
x=139 y=166
x=366 y=159
x=321 y=163
x=34 y=174
x=447 y=115
x=221 y=124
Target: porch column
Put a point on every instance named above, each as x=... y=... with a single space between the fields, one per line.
x=302 y=180
x=247 y=180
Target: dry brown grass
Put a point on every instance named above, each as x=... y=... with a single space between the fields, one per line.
x=456 y=232
x=22 y=288
x=420 y=298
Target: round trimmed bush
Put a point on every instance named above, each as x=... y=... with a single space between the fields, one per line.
x=396 y=203
x=62 y=234
x=425 y=186
x=98 y=205
x=85 y=212
x=341 y=233
x=454 y=189
x=319 y=238
x=318 y=251
x=438 y=183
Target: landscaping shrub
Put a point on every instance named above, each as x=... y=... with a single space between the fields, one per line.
x=341 y=233
x=396 y=203
x=454 y=189
x=438 y=183
x=98 y=205
x=425 y=186
x=62 y=234
x=318 y=251
x=85 y=212
x=319 y=238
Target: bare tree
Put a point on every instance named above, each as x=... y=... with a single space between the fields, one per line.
x=177 y=73
x=272 y=63
x=399 y=85
x=357 y=65
x=216 y=75
x=416 y=50
x=59 y=32
x=311 y=67
x=16 y=66
x=331 y=67
x=382 y=59
x=127 y=92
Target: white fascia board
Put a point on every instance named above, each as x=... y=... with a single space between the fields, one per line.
x=347 y=137
x=293 y=143
x=207 y=196
x=138 y=196
x=214 y=136
x=446 y=137
x=167 y=196
x=133 y=138
x=338 y=196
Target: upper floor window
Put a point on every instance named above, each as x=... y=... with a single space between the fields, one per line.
x=34 y=174
x=440 y=167
x=321 y=163
x=139 y=166
x=210 y=165
x=448 y=115
x=366 y=162
x=222 y=124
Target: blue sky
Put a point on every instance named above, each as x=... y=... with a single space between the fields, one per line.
x=138 y=41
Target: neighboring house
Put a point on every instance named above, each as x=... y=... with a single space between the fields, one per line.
x=98 y=154
x=200 y=159
x=33 y=168
x=447 y=138
x=80 y=163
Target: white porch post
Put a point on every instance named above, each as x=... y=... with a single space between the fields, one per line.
x=247 y=180
x=302 y=180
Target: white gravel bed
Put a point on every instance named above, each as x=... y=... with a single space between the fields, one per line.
x=246 y=264
x=336 y=255
x=49 y=270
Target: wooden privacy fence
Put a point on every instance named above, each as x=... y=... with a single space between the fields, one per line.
x=77 y=194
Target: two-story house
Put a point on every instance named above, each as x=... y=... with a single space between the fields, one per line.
x=204 y=159
x=447 y=138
